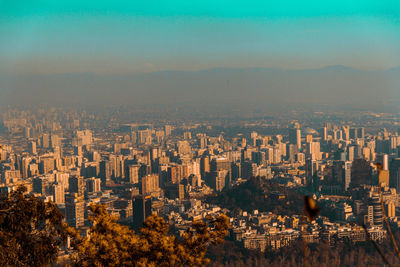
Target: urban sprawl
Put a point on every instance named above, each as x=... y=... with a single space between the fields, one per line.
x=171 y=168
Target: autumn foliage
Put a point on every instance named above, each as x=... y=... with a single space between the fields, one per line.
x=32 y=232
x=111 y=244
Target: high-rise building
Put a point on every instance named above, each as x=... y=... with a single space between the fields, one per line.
x=248 y=170
x=33 y=170
x=217 y=179
x=183 y=147
x=323 y=133
x=347 y=174
x=353 y=133
x=58 y=193
x=93 y=185
x=361 y=132
x=144 y=137
x=218 y=164
x=301 y=158
x=134 y=173
x=383 y=159
x=168 y=130
x=77 y=185
x=390 y=209
x=55 y=141
x=25 y=161
x=27 y=132
x=141 y=210
x=45 y=140
x=346 y=132
x=394 y=176
x=150 y=184
x=32 y=147
x=203 y=141
x=311 y=170
x=75 y=210
x=313 y=150
x=361 y=173
x=46 y=165
x=78 y=150
x=82 y=138
x=10 y=176
x=377 y=209
x=291 y=152
x=105 y=172
x=350 y=153
x=94 y=156
x=342 y=174
x=187 y=135
x=40 y=185
x=174 y=191
x=204 y=166
x=62 y=178
x=295 y=137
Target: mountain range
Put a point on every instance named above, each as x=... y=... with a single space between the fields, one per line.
x=266 y=88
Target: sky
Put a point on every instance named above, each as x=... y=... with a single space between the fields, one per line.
x=122 y=37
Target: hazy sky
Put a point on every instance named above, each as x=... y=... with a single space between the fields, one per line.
x=144 y=36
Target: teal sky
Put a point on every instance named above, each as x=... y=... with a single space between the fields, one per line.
x=145 y=36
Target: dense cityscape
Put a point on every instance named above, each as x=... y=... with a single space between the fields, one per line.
x=199 y=133
x=189 y=170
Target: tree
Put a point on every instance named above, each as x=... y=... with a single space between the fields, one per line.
x=31 y=230
x=111 y=244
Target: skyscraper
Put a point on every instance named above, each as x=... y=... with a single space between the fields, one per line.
x=105 y=171
x=204 y=166
x=93 y=185
x=295 y=137
x=74 y=210
x=76 y=185
x=217 y=179
x=323 y=133
x=58 y=193
x=311 y=170
x=141 y=210
x=150 y=184
x=353 y=133
x=342 y=174
x=361 y=132
x=394 y=179
x=377 y=210
x=134 y=173
x=32 y=148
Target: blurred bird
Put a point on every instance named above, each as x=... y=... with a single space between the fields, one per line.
x=311 y=208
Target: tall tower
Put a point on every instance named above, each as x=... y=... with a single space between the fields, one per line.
x=342 y=174
x=58 y=193
x=105 y=172
x=347 y=174
x=295 y=136
x=204 y=166
x=311 y=169
x=76 y=185
x=383 y=173
x=74 y=210
x=141 y=210
x=32 y=147
x=395 y=174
